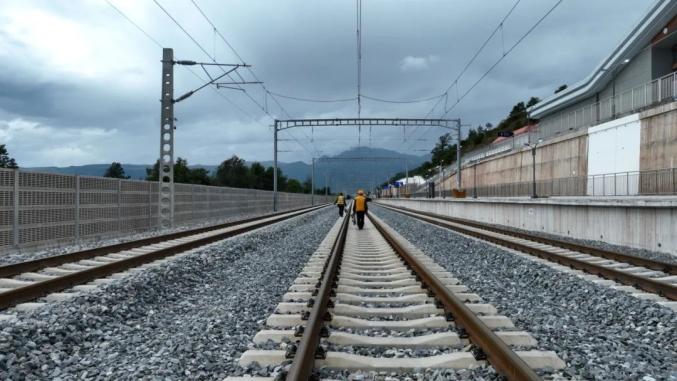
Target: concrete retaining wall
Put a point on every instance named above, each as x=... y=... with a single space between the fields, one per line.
x=640 y=222
x=659 y=138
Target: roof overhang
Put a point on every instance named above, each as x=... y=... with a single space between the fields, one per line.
x=641 y=35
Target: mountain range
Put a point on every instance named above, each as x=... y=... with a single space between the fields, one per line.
x=357 y=167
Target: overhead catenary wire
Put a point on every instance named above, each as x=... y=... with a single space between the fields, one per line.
x=358 y=9
x=498 y=61
x=479 y=50
x=456 y=80
x=156 y=42
x=422 y=100
x=507 y=52
x=251 y=71
x=219 y=93
x=313 y=100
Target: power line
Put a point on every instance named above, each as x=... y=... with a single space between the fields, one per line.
x=358 y=8
x=232 y=48
x=504 y=55
x=219 y=93
x=402 y=101
x=137 y=26
x=251 y=71
x=500 y=59
x=207 y=54
x=445 y=94
x=477 y=53
x=312 y=99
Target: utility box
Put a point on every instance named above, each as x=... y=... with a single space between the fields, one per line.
x=458 y=193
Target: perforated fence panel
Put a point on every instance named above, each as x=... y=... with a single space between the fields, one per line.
x=44 y=208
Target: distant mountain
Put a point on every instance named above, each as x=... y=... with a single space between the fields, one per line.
x=360 y=167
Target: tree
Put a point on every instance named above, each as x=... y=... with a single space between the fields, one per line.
x=257 y=176
x=233 y=173
x=5 y=160
x=200 y=176
x=533 y=101
x=294 y=186
x=182 y=173
x=115 y=171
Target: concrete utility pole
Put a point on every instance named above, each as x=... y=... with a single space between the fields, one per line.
x=166 y=162
x=275 y=166
x=167 y=126
x=312 y=183
x=458 y=155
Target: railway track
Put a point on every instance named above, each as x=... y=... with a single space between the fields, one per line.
x=369 y=302
x=83 y=270
x=657 y=280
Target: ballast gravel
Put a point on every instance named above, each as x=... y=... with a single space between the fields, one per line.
x=31 y=253
x=601 y=333
x=190 y=318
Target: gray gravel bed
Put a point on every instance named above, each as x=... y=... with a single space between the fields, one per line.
x=26 y=254
x=190 y=318
x=479 y=374
x=391 y=352
x=385 y=332
x=601 y=333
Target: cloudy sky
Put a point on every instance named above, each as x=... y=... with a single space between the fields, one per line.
x=80 y=84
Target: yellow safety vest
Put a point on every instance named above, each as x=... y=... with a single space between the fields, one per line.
x=360 y=203
x=340 y=200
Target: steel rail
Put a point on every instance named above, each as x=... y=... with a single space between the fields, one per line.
x=652 y=264
x=57 y=260
x=38 y=289
x=664 y=289
x=499 y=354
x=304 y=360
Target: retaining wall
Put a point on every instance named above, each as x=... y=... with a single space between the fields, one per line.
x=641 y=222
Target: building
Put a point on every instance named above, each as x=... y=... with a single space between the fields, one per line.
x=638 y=73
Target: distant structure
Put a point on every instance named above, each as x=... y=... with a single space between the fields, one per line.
x=614 y=133
x=635 y=75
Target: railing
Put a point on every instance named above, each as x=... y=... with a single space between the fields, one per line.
x=654 y=182
x=47 y=208
x=495 y=149
x=632 y=100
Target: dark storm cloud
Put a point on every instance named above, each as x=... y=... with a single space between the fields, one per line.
x=303 y=48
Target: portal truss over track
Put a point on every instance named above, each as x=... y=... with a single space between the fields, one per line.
x=280 y=125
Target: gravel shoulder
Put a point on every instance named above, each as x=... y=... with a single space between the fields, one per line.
x=30 y=253
x=602 y=334
x=190 y=318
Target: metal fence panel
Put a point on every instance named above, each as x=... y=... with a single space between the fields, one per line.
x=44 y=208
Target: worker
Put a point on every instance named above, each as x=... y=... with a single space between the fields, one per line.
x=360 y=208
x=341 y=203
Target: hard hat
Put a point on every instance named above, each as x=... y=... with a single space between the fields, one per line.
x=360 y=191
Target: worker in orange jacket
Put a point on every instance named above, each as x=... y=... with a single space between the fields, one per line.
x=360 y=208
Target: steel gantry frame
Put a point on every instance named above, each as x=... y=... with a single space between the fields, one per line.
x=280 y=125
